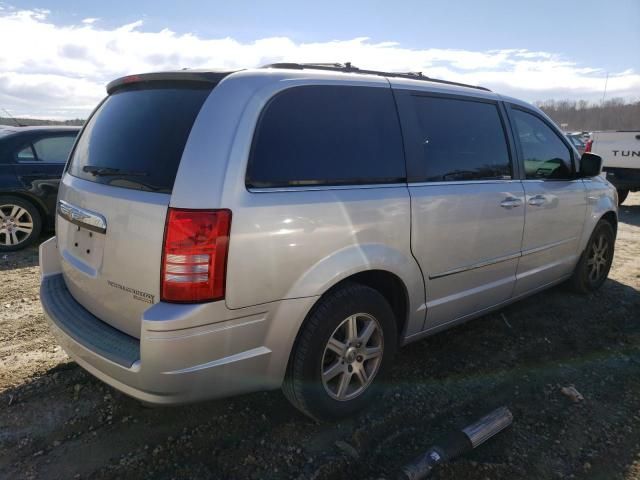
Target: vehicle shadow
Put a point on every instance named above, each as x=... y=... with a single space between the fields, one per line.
x=629 y=214
x=519 y=357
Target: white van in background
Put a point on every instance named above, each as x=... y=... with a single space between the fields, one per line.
x=620 y=152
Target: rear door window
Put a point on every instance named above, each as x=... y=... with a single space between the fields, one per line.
x=26 y=154
x=327 y=135
x=136 y=137
x=452 y=139
x=54 y=149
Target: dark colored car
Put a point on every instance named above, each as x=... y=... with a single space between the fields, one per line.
x=31 y=163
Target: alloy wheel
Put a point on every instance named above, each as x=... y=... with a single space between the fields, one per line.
x=16 y=224
x=599 y=258
x=352 y=356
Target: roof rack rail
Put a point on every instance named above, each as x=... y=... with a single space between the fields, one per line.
x=347 y=67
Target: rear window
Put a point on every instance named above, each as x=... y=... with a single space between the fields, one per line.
x=327 y=135
x=136 y=137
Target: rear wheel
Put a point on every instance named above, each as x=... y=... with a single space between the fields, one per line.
x=20 y=223
x=622 y=196
x=344 y=349
x=594 y=265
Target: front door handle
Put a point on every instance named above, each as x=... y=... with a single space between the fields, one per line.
x=510 y=202
x=537 y=200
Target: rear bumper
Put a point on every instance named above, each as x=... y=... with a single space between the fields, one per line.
x=185 y=353
x=623 y=178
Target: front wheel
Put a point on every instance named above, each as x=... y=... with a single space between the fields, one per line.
x=343 y=351
x=594 y=265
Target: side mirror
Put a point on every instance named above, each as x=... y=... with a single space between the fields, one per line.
x=590 y=165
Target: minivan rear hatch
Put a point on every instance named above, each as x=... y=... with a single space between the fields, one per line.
x=114 y=195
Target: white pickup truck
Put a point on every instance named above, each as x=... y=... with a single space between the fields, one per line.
x=620 y=152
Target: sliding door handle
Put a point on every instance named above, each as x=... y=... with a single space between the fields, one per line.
x=510 y=202
x=537 y=200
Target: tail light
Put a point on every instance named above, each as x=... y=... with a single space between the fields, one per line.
x=587 y=146
x=194 y=256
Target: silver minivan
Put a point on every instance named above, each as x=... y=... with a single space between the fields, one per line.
x=222 y=232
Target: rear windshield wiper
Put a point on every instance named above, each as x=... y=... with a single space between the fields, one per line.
x=106 y=171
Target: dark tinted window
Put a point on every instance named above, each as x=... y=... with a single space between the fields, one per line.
x=324 y=135
x=459 y=140
x=136 y=137
x=54 y=149
x=26 y=154
x=545 y=155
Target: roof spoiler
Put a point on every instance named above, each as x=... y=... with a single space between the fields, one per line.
x=178 y=76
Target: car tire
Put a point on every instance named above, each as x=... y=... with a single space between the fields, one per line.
x=20 y=223
x=622 y=196
x=330 y=353
x=595 y=262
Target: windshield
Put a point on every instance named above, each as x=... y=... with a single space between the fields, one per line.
x=136 y=137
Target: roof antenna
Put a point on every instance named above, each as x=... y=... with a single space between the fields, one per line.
x=12 y=117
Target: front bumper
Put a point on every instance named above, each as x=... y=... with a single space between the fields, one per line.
x=185 y=353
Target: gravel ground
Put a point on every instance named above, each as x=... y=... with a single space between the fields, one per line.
x=56 y=421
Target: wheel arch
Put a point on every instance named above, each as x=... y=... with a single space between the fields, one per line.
x=389 y=285
x=394 y=274
x=601 y=204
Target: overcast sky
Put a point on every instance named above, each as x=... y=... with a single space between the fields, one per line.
x=57 y=56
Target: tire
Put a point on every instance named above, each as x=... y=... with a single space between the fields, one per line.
x=587 y=276
x=622 y=196
x=330 y=319
x=16 y=217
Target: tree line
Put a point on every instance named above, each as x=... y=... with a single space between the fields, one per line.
x=38 y=121
x=614 y=114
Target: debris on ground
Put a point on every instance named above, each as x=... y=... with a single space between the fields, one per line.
x=572 y=393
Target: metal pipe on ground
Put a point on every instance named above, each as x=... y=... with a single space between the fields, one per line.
x=456 y=444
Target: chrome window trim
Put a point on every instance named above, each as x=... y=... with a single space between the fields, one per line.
x=311 y=188
x=355 y=186
x=464 y=182
x=542 y=180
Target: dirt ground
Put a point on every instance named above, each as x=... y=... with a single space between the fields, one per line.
x=56 y=421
